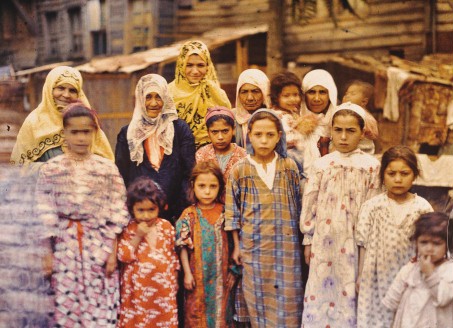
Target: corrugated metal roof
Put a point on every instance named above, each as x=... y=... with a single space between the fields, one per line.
x=167 y=54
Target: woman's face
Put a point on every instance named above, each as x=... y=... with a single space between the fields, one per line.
x=317 y=99
x=153 y=104
x=196 y=69
x=289 y=99
x=64 y=94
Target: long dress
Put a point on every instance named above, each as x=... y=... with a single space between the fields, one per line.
x=201 y=232
x=267 y=220
x=384 y=229
x=337 y=186
x=422 y=302
x=149 y=278
x=82 y=204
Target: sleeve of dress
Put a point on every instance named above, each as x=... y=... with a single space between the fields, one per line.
x=309 y=206
x=122 y=155
x=184 y=232
x=126 y=252
x=374 y=187
x=45 y=207
x=441 y=286
x=396 y=290
x=174 y=256
x=364 y=224
x=233 y=206
x=119 y=215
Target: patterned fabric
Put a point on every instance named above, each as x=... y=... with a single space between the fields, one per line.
x=149 y=278
x=422 y=302
x=83 y=220
x=267 y=221
x=193 y=100
x=24 y=299
x=207 y=154
x=259 y=79
x=142 y=126
x=43 y=128
x=201 y=231
x=384 y=229
x=311 y=79
x=336 y=188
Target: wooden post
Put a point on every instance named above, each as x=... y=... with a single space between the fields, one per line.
x=242 y=55
x=274 y=45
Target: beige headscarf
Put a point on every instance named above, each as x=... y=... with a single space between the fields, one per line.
x=158 y=131
x=193 y=100
x=43 y=128
x=257 y=78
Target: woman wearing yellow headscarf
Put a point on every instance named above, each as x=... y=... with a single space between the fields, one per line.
x=41 y=135
x=196 y=88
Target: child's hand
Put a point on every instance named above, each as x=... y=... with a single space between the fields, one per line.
x=47 y=263
x=307 y=253
x=110 y=265
x=236 y=256
x=143 y=229
x=426 y=265
x=189 y=282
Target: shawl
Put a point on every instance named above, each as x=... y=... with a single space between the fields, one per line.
x=193 y=100
x=324 y=79
x=143 y=127
x=281 y=145
x=43 y=128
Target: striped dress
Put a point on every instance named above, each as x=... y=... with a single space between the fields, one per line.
x=267 y=221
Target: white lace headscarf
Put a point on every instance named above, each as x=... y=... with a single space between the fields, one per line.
x=142 y=127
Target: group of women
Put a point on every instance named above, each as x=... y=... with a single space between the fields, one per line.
x=166 y=129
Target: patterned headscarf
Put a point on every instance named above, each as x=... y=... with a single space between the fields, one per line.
x=43 y=128
x=281 y=145
x=143 y=127
x=192 y=100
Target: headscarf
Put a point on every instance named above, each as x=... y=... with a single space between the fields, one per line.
x=352 y=107
x=281 y=145
x=43 y=128
x=192 y=100
x=218 y=110
x=160 y=128
x=255 y=77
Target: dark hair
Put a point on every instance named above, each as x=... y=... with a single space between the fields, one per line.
x=367 y=88
x=78 y=109
x=282 y=80
x=205 y=168
x=434 y=224
x=228 y=120
x=262 y=116
x=399 y=152
x=144 y=188
x=348 y=112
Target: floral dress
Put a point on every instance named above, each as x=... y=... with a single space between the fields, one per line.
x=83 y=206
x=149 y=278
x=338 y=185
x=384 y=229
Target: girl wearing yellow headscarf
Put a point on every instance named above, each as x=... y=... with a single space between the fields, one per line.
x=196 y=88
x=41 y=135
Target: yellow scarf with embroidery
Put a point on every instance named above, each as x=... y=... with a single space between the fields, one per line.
x=43 y=128
x=193 y=100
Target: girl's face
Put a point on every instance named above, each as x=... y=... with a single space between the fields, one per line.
x=145 y=211
x=264 y=137
x=220 y=134
x=346 y=133
x=64 y=94
x=206 y=188
x=196 y=69
x=78 y=133
x=398 y=179
x=317 y=99
x=251 y=97
x=153 y=104
x=434 y=247
x=289 y=99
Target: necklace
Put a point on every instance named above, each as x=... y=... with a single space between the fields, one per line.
x=77 y=157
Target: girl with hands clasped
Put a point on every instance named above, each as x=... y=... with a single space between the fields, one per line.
x=385 y=225
x=146 y=247
x=203 y=247
x=422 y=292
